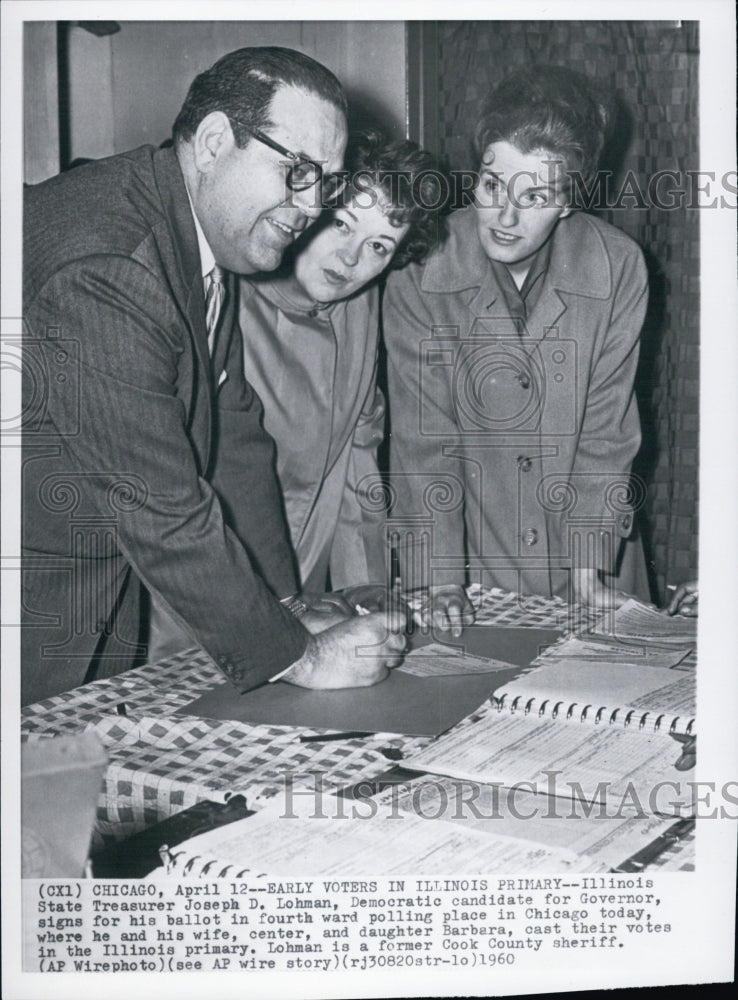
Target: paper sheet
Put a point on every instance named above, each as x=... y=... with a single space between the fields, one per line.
x=607 y=651
x=637 y=621
x=516 y=645
x=563 y=758
x=608 y=839
x=436 y=660
x=299 y=841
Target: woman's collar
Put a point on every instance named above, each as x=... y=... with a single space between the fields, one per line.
x=282 y=289
x=578 y=261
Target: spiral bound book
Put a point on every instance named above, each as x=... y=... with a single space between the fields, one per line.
x=614 y=694
x=300 y=837
x=582 y=731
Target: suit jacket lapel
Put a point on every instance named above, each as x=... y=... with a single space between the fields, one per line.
x=186 y=262
x=184 y=268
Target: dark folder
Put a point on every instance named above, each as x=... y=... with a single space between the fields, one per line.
x=413 y=706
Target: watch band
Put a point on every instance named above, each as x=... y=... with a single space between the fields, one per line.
x=295 y=605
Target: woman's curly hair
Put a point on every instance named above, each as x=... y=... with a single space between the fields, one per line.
x=408 y=178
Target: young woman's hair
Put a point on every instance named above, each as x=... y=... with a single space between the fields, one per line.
x=548 y=108
x=406 y=175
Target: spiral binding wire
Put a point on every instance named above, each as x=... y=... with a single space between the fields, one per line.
x=632 y=718
x=186 y=865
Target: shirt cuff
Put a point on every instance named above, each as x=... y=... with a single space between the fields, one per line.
x=298 y=608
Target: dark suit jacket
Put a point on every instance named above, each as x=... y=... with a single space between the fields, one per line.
x=124 y=414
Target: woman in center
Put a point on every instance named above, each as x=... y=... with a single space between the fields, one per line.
x=310 y=337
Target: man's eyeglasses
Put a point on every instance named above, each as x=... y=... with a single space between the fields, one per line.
x=303 y=173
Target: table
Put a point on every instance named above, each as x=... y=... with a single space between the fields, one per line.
x=161 y=763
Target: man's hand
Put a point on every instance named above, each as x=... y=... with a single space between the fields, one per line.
x=332 y=608
x=324 y=611
x=375 y=597
x=355 y=653
x=688 y=756
x=446 y=608
x=684 y=601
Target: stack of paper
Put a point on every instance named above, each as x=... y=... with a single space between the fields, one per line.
x=636 y=621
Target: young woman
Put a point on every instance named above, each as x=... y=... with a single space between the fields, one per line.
x=310 y=339
x=511 y=359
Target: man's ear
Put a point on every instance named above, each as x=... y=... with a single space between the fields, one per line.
x=212 y=137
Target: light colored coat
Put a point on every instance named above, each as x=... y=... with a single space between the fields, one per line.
x=511 y=452
x=315 y=372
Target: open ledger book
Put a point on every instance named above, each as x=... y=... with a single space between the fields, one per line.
x=333 y=836
x=421 y=827
x=614 y=735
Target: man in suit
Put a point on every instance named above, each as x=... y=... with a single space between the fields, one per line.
x=145 y=464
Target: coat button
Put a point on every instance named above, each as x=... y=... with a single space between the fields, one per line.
x=530 y=537
x=524 y=379
x=626 y=521
x=524 y=463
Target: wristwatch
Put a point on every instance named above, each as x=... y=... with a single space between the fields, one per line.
x=295 y=605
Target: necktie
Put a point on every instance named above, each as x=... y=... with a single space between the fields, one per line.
x=214 y=304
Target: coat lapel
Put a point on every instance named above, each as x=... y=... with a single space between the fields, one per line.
x=578 y=265
x=462 y=267
x=547 y=311
x=184 y=270
x=490 y=309
x=186 y=256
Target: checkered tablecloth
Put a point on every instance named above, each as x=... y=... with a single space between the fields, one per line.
x=161 y=763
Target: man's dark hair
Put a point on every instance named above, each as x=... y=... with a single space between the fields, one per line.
x=243 y=83
x=549 y=108
x=407 y=176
